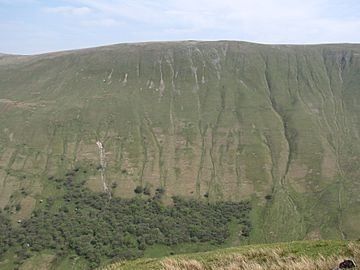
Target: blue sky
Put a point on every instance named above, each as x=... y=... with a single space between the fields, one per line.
x=38 y=26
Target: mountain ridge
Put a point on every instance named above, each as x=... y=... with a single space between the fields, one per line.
x=178 y=42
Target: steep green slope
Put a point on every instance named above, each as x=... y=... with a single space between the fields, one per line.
x=208 y=120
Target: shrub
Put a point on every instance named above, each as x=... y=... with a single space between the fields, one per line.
x=138 y=190
x=147 y=190
x=18 y=207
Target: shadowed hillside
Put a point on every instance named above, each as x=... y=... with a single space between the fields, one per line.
x=213 y=121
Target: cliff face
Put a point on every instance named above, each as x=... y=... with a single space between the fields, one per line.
x=210 y=120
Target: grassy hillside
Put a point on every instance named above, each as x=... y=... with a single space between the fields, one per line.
x=212 y=121
x=313 y=255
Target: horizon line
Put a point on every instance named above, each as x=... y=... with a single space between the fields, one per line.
x=177 y=41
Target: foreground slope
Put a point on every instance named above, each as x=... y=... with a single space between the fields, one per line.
x=316 y=255
x=209 y=120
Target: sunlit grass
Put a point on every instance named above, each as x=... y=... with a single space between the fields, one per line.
x=309 y=255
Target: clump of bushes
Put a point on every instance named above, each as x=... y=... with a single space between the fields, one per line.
x=92 y=226
x=7 y=236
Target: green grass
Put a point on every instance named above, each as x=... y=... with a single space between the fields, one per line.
x=71 y=262
x=310 y=249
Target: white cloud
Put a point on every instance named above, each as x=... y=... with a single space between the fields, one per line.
x=101 y=22
x=68 y=10
x=141 y=11
x=269 y=21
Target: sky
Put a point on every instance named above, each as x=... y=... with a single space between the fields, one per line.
x=39 y=26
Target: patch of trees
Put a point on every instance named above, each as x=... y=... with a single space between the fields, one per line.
x=94 y=227
x=7 y=236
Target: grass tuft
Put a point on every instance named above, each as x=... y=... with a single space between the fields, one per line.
x=255 y=260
